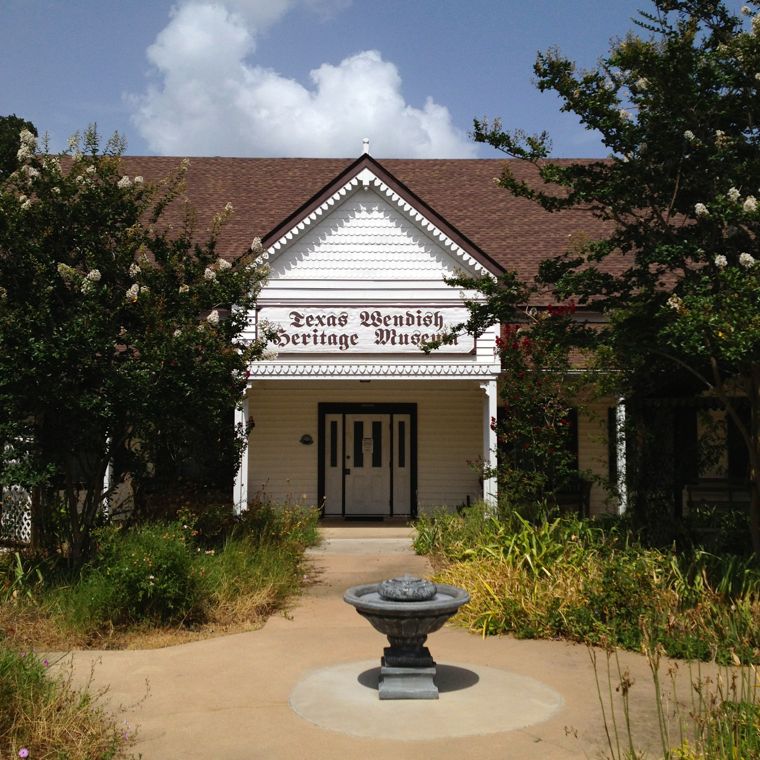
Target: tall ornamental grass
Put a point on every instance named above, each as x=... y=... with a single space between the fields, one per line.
x=592 y=582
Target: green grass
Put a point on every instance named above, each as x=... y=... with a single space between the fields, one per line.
x=197 y=574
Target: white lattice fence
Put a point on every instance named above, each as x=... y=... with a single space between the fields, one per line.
x=15 y=515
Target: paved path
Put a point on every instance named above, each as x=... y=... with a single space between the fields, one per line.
x=229 y=697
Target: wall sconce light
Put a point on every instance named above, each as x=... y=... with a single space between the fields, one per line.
x=306 y=439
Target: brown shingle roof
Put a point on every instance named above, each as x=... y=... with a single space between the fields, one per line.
x=514 y=232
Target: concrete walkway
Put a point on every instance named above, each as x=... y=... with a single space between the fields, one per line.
x=234 y=697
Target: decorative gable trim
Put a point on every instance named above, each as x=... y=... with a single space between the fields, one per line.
x=367 y=173
x=376 y=370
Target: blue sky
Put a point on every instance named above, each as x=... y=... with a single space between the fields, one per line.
x=235 y=77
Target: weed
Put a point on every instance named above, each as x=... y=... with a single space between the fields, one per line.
x=44 y=715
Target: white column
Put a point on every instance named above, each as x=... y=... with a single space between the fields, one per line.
x=620 y=447
x=240 y=493
x=489 y=440
x=107 y=484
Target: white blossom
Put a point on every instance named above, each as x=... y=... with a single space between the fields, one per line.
x=3 y=293
x=689 y=135
x=124 y=183
x=133 y=292
x=91 y=169
x=256 y=246
x=24 y=152
x=721 y=261
x=733 y=194
x=73 y=142
x=139 y=180
x=756 y=24
x=134 y=269
x=223 y=264
x=209 y=274
x=701 y=210
x=27 y=204
x=228 y=208
x=177 y=333
x=55 y=190
x=144 y=289
x=750 y=204
x=720 y=138
x=268 y=354
x=87 y=286
x=184 y=288
x=213 y=317
x=27 y=138
x=624 y=115
x=93 y=275
x=30 y=171
x=746 y=260
x=745 y=9
x=68 y=274
x=675 y=303
x=642 y=83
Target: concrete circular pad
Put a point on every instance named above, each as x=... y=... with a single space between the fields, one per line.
x=474 y=699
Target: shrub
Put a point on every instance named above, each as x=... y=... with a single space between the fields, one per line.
x=139 y=574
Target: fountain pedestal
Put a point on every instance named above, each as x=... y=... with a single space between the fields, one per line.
x=406 y=610
x=407 y=674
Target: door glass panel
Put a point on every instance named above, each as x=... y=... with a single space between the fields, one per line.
x=377 y=451
x=334 y=443
x=358 y=439
x=402 y=443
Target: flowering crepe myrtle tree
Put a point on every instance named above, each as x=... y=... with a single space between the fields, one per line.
x=538 y=388
x=538 y=394
x=678 y=105
x=10 y=126
x=117 y=336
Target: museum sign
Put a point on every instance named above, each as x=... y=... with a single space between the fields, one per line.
x=363 y=330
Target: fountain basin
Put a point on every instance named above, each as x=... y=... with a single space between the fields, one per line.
x=406 y=610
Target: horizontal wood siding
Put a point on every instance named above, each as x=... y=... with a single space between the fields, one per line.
x=449 y=436
x=592 y=452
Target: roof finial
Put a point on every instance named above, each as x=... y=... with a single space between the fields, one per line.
x=365 y=145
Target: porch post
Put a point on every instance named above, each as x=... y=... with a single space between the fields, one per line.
x=622 y=485
x=489 y=440
x=240 y=493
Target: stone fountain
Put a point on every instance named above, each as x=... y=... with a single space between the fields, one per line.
x=406 y=610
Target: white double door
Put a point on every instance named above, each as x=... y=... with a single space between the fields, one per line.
x=368 y=464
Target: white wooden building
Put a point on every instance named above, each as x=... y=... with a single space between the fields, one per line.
x=352 y=414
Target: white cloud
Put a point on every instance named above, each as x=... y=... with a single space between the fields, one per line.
x=212 y=100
